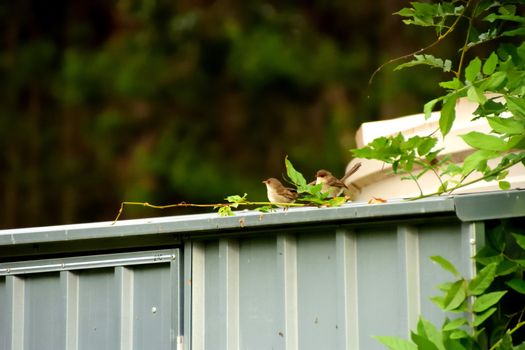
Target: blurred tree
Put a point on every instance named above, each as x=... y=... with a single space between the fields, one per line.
x=168 y=101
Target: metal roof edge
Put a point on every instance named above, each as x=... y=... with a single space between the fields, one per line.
x=247 y=219
x=490 y=205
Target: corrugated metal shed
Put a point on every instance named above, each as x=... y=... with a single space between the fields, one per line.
x=308 y=278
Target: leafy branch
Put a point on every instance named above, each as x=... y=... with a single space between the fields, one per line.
x=481 y=320
x=309 y=195
x=495 y=83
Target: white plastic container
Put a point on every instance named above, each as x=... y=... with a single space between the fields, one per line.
x=375 y=178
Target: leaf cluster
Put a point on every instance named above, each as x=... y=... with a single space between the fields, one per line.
x=480 y=320
x=309 y=194
x=496 y=84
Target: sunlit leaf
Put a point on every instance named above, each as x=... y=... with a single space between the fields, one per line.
x=508 y=126
x=474 y=94
x=483 y=302
x=483 y=141
x=490 y=64
x=455 y=296
x=504 y=185
x=516 y=106
x=482 y=280
x=478 y=160
x=479 y=319
x=448 y=115
x=296 y=177
x=473 y=69
x=456 y=323
x=446 y=265
x=396 y=343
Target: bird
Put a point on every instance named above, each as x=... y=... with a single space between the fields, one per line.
x=332 y=185
x=279 y=194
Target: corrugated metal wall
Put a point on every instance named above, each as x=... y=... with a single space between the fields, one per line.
x=310 y=278
x=323 y=289
x=117 y=301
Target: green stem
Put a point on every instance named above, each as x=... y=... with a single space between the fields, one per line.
x=465 y=44
x=486 y=176
x=510 y=332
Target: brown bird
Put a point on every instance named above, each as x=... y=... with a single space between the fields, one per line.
x=278 y=194
x=332 y=185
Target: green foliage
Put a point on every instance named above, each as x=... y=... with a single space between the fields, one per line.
x=309 y=195
x=486 y=317
x=496 y=83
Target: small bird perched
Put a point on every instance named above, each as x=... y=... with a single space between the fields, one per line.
x=277 y=193
x=332 y=185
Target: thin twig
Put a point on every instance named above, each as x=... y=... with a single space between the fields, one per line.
x=439 y=39
x=216 y=205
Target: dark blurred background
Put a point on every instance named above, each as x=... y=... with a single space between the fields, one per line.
x=166 y=101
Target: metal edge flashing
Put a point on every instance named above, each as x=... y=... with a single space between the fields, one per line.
x=490 y=205
x=187 y=225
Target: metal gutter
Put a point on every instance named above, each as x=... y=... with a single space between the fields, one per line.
x=243 y=220
x=490 y=205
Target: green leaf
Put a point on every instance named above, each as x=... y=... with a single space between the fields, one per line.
x=236 y=198
x=459 y=334
x=446 y=265
x=428 y=60
x=490 y=64
x=453 y=84
x=427 y=330
x=456 y=323
x=478 y=160
x=455 y=296
x=448 y=115
x=473 y=69
x=504 y=185
x=508 y=126
x=265 y=208
x=479 y=319
x=337 y=201
x=516 y=106
x=474 y=94
x=482 y=280
x=485 y=301
x=422 y=342
x=296 y=177
x=396 y=343
x=483 y=141
x=517 y=284
x=520 y=239
x=514 y=32
x=494 y=82
x=493 y=17
x=225 y=211
x=429 y=107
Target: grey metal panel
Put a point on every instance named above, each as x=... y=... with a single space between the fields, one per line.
x=381 y=302
x=334 y=288
x=317 y=298
x=258 y=294
x=286 y=308
x=214 y=337
x=98 y=312
x=307 y=278
x=446 y=240
x=44 y=326
x=152 y=311
x=4 y=315
x=134 y=304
